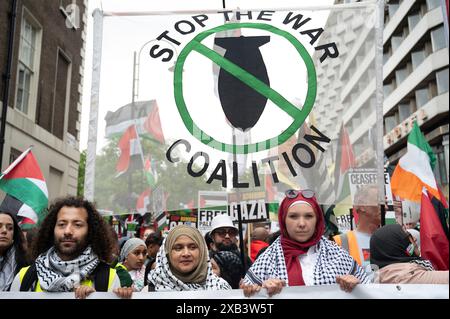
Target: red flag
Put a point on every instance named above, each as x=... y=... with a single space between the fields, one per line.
x=191 y=204
x=345 y=160
x=153 y=125
x=270 y=193
x=143 y=201
x=24 y=182
x=130 y=151
x=434 y=244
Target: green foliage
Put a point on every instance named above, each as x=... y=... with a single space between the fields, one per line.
x=119 y=194
x=81 y=172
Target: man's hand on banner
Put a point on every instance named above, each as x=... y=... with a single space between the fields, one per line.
x=82 y=292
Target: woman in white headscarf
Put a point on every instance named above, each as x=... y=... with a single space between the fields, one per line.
x=183 y=264
x=132 y=256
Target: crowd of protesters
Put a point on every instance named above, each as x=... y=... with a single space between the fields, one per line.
x=75 y=250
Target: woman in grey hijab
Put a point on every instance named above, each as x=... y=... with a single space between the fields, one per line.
x=132 y=256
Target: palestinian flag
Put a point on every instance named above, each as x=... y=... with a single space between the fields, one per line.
x=161 y=220
x=415 y=169
x=132 y=113
x=25 y=186
x=18 y=209
x=152 y=125
x=149 y=174
x=143 y=202
x=345 y=160
x=213 y=200
x=131 y=156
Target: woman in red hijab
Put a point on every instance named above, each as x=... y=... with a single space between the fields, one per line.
x=301 y=255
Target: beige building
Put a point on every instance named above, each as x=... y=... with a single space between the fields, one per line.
x=415 y=80
x=45 y=88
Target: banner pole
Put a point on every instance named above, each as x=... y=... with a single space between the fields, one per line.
x=95 y=96
x=379 y=24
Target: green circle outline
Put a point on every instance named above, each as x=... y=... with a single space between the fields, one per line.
x=254 y=147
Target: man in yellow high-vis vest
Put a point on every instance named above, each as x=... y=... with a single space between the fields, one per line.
x=357 y=242
x=71 y=253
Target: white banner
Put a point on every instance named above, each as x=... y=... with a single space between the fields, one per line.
x=372 y=291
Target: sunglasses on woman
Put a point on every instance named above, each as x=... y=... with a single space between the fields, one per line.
x=306 y=193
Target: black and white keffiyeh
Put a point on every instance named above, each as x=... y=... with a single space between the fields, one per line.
x=164 y=280
x=57 y=275
x=424 y=263
x=331 y=261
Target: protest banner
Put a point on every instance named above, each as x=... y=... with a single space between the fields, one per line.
x=369 y=291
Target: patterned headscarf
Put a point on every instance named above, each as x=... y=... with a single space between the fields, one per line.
x=164 y=277
x=292 y=249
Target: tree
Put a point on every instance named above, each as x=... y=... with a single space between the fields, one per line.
x=81 y=172
x=113 y=193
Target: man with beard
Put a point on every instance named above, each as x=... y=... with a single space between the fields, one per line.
x=224 y=236
x=71 y=253
x=357 y=242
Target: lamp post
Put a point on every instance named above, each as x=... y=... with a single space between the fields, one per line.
x=137 y=66
x=135 y=89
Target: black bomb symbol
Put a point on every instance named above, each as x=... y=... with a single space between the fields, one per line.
x=242 y=104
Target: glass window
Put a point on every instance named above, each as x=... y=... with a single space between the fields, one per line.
x=431 y=4
x=356 y=122
x=442 y=81
x=23 y=88
x=396 y=41
x=413 y=20
x=440 y=170
x=438 y=39
x=386 y=56
x=421 y=97
x=401 y=75
x=393 y=7
x=387 y=89
x=350 y=127
x=357 y=148
x=25 y=70
x=389 y=123
x=417 y=58
x=14 y=154
x=404 y=111
x=27 y=45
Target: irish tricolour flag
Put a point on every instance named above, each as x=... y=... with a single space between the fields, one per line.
x=24 y=182
x=415 y=169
